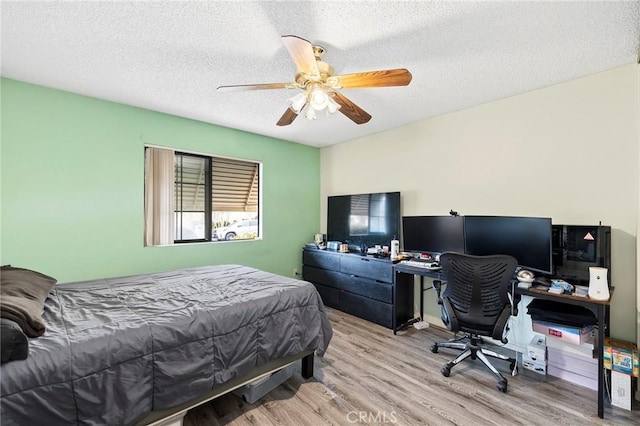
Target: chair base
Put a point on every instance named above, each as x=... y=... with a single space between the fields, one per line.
x=474 y=350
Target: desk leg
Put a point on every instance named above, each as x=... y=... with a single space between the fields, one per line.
x=601 y=372
x=394 y=294
x=421 y=298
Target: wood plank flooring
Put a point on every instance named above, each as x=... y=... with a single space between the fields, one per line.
x=370 y=376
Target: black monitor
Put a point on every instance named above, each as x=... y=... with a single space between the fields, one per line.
x=364 y=220
x=528 y=239
x=433 y=234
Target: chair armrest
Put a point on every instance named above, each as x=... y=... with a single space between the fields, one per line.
x=501 y=328
x=514 y=300
x=449 y=317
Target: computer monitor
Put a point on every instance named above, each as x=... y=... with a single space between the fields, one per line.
x=528 y=239
x=433 y=234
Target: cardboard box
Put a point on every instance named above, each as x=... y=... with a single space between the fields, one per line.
x=621 y=356
x=537 y=349
x=573 y=367
x=585 y=349
x=581 y=364
x=539 y=367
x=574 y=335
x=572 y=377
x=621 y=392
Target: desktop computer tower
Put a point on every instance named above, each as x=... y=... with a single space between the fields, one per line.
x=575 y=248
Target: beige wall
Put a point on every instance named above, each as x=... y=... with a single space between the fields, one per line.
x=569 y=152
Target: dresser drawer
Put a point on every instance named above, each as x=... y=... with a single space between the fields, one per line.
x=321 y=259
x=330 y=296
x=323 y=276
x=367 y=267
x=371 y=310
x=368 y=288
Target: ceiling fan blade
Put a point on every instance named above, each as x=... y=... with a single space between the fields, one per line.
x=351 y=110
x=301 y=52
x=287 y=118
x=243 y=87
x=382 y=78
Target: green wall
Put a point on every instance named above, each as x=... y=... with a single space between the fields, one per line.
x=73 y=183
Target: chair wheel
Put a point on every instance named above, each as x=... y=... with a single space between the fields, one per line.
x=446 y=370
x=434 y=348
x=502 y=386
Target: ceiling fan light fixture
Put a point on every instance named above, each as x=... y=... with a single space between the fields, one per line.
x=298 y=102
x=318 y=99
x=310 y=114
x=332 y=106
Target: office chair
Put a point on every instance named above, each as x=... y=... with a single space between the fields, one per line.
x=476 y=302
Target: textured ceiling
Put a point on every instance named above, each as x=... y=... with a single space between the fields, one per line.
x=170 y=56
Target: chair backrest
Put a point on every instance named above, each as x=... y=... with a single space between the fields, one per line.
x=477 y=290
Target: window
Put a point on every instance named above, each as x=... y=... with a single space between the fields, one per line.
x=205 y=198
x=192 y=180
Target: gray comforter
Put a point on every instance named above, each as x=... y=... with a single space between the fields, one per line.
x=115 y=349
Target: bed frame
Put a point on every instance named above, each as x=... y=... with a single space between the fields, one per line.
x=252 y=350
x=174 y=416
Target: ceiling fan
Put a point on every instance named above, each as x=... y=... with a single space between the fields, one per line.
x=320 y=85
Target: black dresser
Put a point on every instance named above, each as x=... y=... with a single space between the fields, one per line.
x=359 y=285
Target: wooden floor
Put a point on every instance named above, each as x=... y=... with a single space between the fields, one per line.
x=370 y=376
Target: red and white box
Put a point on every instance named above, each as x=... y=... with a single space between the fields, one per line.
x=574 y=335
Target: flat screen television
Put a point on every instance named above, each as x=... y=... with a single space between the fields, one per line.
x=433 y=234
x=364 y=220
x=578 y=247
x=528 y=239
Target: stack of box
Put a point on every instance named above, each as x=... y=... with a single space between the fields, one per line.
x=622 y=359
x=574 y=363
x=570 y=353
x=535 y=359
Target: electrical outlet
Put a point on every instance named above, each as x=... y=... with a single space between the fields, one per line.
x=295 y=272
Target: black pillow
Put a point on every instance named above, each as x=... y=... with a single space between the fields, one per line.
x=22 y=296
x=14 y=345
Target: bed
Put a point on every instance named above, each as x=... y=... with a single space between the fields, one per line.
x=143 y=349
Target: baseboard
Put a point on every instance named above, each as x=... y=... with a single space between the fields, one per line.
x=434 y=321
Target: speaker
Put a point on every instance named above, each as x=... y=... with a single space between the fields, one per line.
x=598 y=285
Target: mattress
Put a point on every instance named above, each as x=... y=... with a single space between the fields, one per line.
x=116 y=349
